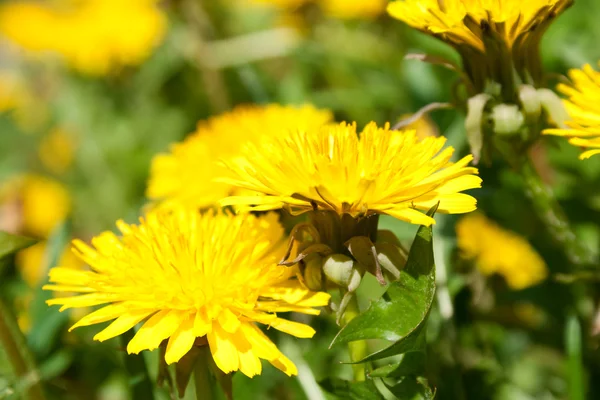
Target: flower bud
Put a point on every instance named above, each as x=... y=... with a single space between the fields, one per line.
x=338 y=268
x=508 y=119
x=532 y=106
x=313 y=274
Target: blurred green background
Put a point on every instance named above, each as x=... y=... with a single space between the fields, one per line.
x=79 y=145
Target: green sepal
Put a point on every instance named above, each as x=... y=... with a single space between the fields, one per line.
x=400 y=314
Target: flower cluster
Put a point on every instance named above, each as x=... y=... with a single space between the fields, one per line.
x=498 y=251
x=175 y=177
x=93 y=36
x=583 y=106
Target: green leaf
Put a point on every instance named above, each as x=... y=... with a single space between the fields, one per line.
x=413 y=363
x=352 y=390
x=46 y=326
x=411 y=388
x=10 y=244
x=400 y=314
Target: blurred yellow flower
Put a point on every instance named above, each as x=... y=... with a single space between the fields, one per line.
x=186 y=175
x=46 y=203
x=93 y=36
x=424 y=127
x=190 y=275
x=385 y=171
x=40 y=202
x=32 y=262
x=583 y=106
x=56 y=150
x=353 y=9
x=498 y=251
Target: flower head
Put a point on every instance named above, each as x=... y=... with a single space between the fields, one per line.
x=498 y=251
x=186 y=175
x=500 y=30
x=583 y=106
x=189 y=275
x=385 y=171
x=93 y=36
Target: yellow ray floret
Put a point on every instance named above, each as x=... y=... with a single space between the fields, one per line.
x=498 y=251
x=93 y=36
x=583 y=106
x=186 y=275
x=459 y=21
x=186 y=174
x=385 y=171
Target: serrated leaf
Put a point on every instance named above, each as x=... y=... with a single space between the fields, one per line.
x=401 y=312
x=10 y=244
x=351 y=390
x=411 y=388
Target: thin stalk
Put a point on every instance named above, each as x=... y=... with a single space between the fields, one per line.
x=358 y=349
x=551 y=214
x=205 y=384
x=573 y=339
x=13 y=343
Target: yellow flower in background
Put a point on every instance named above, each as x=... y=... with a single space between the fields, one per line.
x=93 y=36
x=462 y=22
x=42 y=203
x=56 y=150
x=583 y=106
x=283 y=4
x=385 y=171
x=12 y=93
x=189 y=275
x=498 y=251
x=32 y=262
x=186 y=175
x=353 y=9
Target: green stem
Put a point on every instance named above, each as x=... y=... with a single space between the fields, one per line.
x=551 y=214
x=573 y=345
x=205 y=384
x=358 y=349
x=139 y=379
x=13 y=343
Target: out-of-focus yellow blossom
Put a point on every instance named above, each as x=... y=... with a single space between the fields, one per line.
x=583 y=106
x=56 y=150
x=93 y=36
x=498 y=251
x=424 y=127
x=186 y=175
x=385 y=171
x=190 y=275
x=353 y=9
x=45 y=204
x=283 y=4
x=32 y=262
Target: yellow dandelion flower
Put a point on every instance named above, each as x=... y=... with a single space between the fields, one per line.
x=385 y=171
x=354 y=9
x=498 y=251
x=93 y=36
x=583 y=106
x=186 y=175
x=493 y=37
x=189 y=275
x=460 y=22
